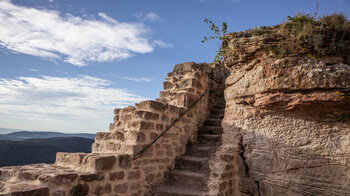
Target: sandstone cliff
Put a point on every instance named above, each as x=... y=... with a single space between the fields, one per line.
x=286 y=124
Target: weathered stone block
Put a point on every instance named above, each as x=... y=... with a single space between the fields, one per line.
x=2 y=184
x=148 y=169
x=119 y=135
x=103 y=163
x=124 y=161
x=135 y=186
x=141 y=137
x=141 y=161
x=79 y=190
x=147 y=115
x=134 y=175
x=139 y=193
x=116 y=176
x=127 y=110
x=108 y=188
x=124 y=118
x=69 y=159
x=159 y=127
x=102 y=136
x=152 y=106
x=112 y=146
x=30 y=175
x=174 y=110
x=64 y=178
x=146 y=125
x=138 y=148
x=111 y=126
x=165 y=118
x=103 y=189
x=170 y=135
x=28 y=189
x=121 y=188
x=167 y=85
x=190 y=67
x=149 y=177
x=116 y=111
x=186 y=120
x=59 y=193
x=153 y=135
x=160 y=153
x=91 y=177
x=116 y=118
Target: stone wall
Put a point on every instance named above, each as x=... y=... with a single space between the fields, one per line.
x=286 y=124
x=111 y=168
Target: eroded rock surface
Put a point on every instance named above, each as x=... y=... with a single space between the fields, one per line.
x=286 y=124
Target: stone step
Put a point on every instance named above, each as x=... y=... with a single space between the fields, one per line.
x=186 y=179
x=201 y=150
x=216 y=116
x=178 y=191
x=220 y=106
x=217 y=111
x=26 y=189
x=210 y=130
x=213 y=122
x=209 y=138
x=89 y=162
x=192 y=163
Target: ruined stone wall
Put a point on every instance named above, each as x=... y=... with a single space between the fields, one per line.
x=286 y=123
x=111 y=168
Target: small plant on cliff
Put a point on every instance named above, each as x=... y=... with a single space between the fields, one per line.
x=316 y=38
x=218 y=34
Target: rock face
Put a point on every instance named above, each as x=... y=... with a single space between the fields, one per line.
x=286 y=124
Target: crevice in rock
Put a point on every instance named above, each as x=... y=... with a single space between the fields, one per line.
x=233 y=83
x=241 y=154
x=303 y=91
x=258 y=186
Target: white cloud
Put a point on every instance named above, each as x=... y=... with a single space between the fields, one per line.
x=50 y=34
x=138 y=79
x=44 y=97
x=51 y=0
x=152 y=17
x=33 y=70
x=162 y=44
x=149 y=17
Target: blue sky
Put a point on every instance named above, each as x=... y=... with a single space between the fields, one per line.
x=65 y=64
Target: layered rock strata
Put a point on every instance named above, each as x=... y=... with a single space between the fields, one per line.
x=286 y=124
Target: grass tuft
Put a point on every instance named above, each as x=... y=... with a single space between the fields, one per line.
x=316 y=38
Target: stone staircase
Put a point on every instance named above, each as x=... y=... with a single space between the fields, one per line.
x=191 y=172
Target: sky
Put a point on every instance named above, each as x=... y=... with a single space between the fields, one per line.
x=66 y=64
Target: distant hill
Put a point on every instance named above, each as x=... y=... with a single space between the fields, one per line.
x=40 y=150
x=23 y=135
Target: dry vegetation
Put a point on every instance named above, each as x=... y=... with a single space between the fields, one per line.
x=317 y=38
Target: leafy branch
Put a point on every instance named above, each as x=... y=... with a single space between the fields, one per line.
x=218 y=34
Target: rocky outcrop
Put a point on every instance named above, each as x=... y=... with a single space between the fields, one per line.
x=286 y=124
